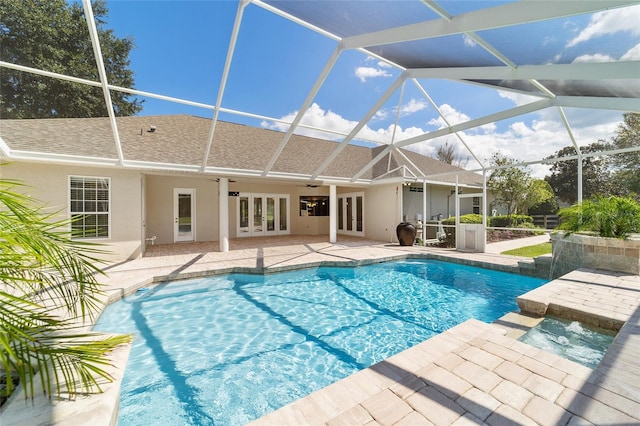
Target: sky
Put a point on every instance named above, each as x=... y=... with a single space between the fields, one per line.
x=181 y=47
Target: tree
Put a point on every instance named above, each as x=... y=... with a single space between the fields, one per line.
x=52 y=35
x=447 y=154
x=507 y=183
x=514 y=187
x=627 y=165
x=538 y=193
x=48 y=286
x=595 y=173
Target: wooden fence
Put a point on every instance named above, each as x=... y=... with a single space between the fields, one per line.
x=546 y=221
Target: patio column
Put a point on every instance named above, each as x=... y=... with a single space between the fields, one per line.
x=579 y=177
x=484 y=208
x=333 y=214
x=424 y=211
x=223 y=214
x=457 y=213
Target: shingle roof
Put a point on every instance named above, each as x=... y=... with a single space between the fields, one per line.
x=182 y=140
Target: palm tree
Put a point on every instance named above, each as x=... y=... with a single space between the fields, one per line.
x=611 y=217
x=48 y=292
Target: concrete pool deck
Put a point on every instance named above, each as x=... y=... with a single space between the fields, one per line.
x=471 y=374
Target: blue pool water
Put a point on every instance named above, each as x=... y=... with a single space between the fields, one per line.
x=229 y=349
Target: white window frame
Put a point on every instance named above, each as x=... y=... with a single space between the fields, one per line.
x=72 y=213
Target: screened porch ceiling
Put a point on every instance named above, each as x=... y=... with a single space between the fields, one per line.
x=486 y=45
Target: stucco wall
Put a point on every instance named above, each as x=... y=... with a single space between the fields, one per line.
x=50 y=184
x=439 y=201
x=159 y=207
x=383 y=212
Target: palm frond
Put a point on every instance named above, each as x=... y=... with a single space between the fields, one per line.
x=48 y=285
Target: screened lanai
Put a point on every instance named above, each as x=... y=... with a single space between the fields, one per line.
x=520 y=77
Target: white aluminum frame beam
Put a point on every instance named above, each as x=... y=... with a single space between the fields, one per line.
x=528 y=163
x=577 y=71
x=513 y=112
x=567 y=126
x=102 y=72
x=385 y=96
x=435 y=107
x=4 y=148
x=494 y=17
x=225 y=76
x=616 y=104
x=303 y=109
x=498 y=116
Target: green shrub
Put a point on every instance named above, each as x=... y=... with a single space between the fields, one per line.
x=510 y=221
x=465 y=218
x=613 y=217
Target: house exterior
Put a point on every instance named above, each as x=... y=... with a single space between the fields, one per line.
x=153 y=185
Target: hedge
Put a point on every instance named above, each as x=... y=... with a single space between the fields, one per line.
x=510 y=221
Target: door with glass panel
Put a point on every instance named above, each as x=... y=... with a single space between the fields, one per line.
x=351 y=214
x=184 y=214
x=262 y=214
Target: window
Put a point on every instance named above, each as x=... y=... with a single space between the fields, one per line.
x=476 y=205
x=89 y=206
x=314 y=206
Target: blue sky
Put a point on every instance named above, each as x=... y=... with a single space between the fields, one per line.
x=181 y=47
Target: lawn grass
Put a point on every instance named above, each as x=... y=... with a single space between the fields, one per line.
x=530 y=251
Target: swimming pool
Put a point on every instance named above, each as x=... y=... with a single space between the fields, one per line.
x=229 y=349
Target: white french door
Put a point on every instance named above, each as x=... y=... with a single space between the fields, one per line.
x=351 y=214
x=262 y=214
x=184 y=214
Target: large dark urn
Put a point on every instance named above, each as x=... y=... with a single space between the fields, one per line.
x=406 y=233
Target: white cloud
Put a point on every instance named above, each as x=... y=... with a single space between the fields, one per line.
x=598 y=57
x=407 y=109
x=632 y=54
x=316 y=117
x=489 y=128
x=383 y=64
x=382 y=114
x=364 y=73
x=531 y=138
x=521 y=129
x=451 y=115
x=323 y=119
x=609 y=22
x=412 y=106
x=468 y=41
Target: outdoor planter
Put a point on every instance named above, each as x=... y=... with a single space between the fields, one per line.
x=406 y=233
x=587 y=251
